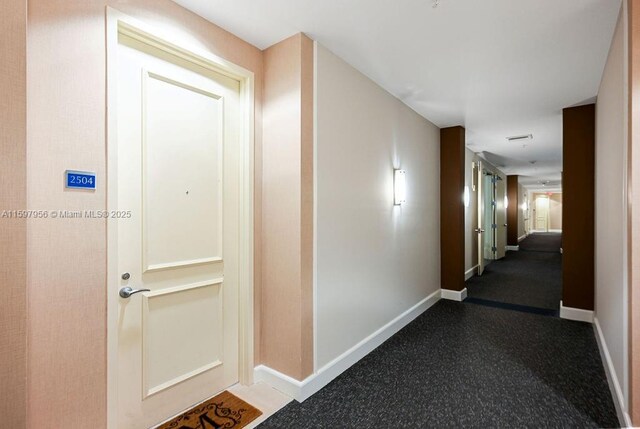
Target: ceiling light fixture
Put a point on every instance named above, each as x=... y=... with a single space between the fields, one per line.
x=522 y=137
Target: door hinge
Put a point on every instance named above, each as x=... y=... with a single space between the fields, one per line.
x=494 y=226
x=494 y=249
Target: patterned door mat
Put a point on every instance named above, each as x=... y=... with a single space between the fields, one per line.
x=222 y=411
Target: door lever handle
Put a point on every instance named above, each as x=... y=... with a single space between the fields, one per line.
x=126 y=292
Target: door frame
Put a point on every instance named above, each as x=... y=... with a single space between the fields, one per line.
x=116 y=23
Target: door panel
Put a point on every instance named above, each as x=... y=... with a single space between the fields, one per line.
x=198 y=308
x=542 y=213
x=501 y=218
x=178 y=175
x=480 y=227
x=489 y=216
x=186 y=141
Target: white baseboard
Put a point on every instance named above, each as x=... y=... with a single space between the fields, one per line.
x=522 y=237
x=513 y=248
x=555 y=230
x=576 y=314
x=302 y=390
x=612 y=378
x=454 y=295
x=470 y=273
x=279 y=381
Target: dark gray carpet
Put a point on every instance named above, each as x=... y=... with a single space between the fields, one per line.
x=464 y=365
x=531 y=277
x=542 y=242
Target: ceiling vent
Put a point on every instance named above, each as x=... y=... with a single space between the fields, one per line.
x=519 y=138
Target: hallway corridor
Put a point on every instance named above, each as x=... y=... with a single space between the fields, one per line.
x=530 y=277
x=465 y=365
x=468 y=365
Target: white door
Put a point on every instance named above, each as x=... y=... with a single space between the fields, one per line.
x=480 y=231
x=542 y=213
x=501 y=218
x=178 y=177
x=489 y=235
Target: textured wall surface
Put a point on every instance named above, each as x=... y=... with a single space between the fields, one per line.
x=287 y=295
x=13 y=232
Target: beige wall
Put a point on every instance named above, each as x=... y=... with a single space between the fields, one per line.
x=13 y=264
x=287 y=306
x=633 y=224
x=374 y=260
x=610 y=235
x=555 y=211
x=67 y=258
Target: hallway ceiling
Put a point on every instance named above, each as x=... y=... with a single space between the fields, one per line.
x=498 y=67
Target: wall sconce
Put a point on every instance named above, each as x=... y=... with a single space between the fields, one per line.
x=399 y=187
x=474 y=175
x=466 y=196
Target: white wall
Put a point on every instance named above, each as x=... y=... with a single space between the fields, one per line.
x=611 y=234
x=374 y=260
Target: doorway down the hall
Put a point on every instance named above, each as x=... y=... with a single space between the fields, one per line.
x=529 y=279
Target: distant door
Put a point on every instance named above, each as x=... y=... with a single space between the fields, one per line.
x=178 y=177
x=489 y=234
x=542 y=213
x=480 y=231
x=501 y=218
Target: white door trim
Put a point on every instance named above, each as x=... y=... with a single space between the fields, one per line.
x=116 y=23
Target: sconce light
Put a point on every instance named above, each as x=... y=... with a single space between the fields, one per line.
x=466 y=197
x=474 y=175
x=399 y=187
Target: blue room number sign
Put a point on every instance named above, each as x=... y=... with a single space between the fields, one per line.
x=80 y=179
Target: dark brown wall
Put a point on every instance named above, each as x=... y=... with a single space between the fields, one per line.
x=512 y=211
x=452 y=207
x=578 y=154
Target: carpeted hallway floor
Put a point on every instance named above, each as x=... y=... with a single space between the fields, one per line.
x=465 y=365
x=542 y=242
x=530 y=277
